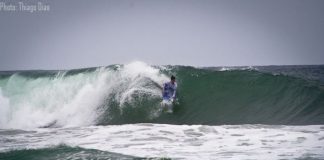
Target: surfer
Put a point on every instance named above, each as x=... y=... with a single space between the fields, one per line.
x=169 y=90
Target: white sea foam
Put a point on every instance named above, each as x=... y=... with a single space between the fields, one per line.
x=182 y=141
x=134 y=77
x=249 y=68
x=72 y=100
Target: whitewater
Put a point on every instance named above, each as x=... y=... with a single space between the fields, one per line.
x=254 y=112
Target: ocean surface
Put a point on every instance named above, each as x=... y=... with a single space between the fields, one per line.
x=114 y=112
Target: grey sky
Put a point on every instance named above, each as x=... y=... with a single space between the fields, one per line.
x=80 y=33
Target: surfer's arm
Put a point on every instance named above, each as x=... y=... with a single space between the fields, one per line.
x=174 y=92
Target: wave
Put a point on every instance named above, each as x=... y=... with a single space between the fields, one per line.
x=63 y=152
x=130 y=93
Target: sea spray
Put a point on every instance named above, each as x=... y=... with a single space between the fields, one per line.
x=68 y=100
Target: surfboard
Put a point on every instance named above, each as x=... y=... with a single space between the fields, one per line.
x=167 y=105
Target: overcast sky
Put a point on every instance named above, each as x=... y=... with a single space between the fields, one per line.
x=84 y=33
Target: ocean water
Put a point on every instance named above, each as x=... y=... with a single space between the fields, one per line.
x=113 y=112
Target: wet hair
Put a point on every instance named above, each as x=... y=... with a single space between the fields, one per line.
x=173 y=77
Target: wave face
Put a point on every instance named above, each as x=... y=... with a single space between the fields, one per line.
x=62 y=152
x=120 y=94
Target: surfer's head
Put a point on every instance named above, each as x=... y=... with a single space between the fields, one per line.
x=173 y=79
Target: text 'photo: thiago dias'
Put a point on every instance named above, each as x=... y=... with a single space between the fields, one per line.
x=24 y=7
